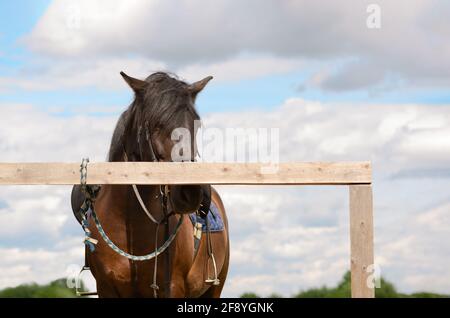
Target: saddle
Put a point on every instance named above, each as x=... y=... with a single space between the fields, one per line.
x=77 y=199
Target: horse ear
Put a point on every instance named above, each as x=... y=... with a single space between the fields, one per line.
x=136 y=84
x=196 y=87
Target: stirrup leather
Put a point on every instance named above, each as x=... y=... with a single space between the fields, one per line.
x=209 y=280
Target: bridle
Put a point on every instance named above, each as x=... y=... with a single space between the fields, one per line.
x=148 y=138
x=164 y=193
x=87 y=210
x=163 y=189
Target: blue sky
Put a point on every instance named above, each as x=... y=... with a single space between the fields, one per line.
x=337 y=90
x=17 y=19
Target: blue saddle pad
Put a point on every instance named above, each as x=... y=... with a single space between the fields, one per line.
x=214 y=219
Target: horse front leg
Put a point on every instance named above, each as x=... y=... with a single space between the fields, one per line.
x=178 y=287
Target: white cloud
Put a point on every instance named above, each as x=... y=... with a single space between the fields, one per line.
x=24 y=215
x=312 y=131
x=22 y=265
x=283 y=239
x=191 y=33
x=45 y=134
x=103 y=73
x=391 y=135
x=410 y=247
x=437 y=218
x=241 y=67
x=420 y=142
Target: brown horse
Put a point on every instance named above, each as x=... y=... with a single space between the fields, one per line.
x=161 y=104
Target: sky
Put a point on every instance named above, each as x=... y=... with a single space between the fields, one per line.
x=337 y=90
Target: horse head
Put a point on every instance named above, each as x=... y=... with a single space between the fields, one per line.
x=162 y=127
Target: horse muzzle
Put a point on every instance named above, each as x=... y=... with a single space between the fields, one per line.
x=185 y=198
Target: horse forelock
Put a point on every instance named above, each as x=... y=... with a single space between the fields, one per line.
x=166 y=104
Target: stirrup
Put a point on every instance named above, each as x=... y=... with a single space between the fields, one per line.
x=215 y=281
x=77 y=284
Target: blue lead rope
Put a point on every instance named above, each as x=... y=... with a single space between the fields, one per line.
x=91 y=242
x=88 y=240
x=87 y=210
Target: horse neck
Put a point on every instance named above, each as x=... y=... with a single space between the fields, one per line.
x=150 y=196
x=127 y=200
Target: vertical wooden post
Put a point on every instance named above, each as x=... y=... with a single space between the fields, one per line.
x=361 y=240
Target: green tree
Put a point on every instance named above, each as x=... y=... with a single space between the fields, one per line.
x=427 y=295
x=55 y=289
x=250 y=295
x=343 y=290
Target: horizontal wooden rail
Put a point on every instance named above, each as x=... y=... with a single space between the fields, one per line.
x=358 y=175
x=301 y=173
